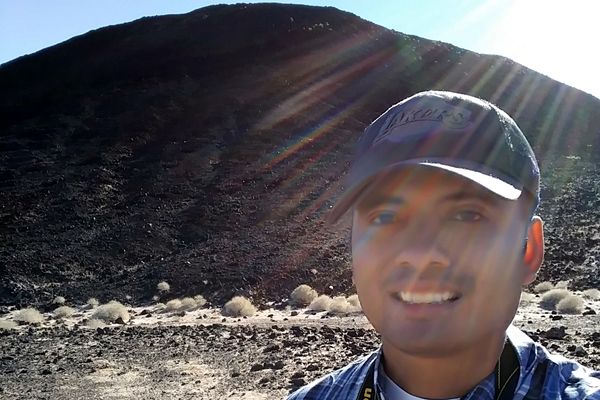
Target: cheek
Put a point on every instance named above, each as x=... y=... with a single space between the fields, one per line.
x=367 y=267
x=370 y=255
x=374 y=246
x=498 y=277
x=363 y=268
x=498 y=265
x=489 y=247
x=367 y=278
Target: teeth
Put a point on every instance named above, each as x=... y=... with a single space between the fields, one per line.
x=426 y=298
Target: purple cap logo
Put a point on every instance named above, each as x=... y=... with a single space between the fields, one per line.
x=422 y=120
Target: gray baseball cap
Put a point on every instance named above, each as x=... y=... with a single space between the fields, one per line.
x=458 y=133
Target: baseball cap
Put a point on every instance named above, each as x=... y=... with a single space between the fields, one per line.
x=454 y=132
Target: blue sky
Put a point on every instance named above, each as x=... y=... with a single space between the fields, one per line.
x=557 y=38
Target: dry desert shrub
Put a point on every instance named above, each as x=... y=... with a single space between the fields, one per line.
x=173 y=305
x=59 y=300
x=163 y=287
x=111 y=311
x=527 y=298
x=64 y=312
x=591 y=294
x=200 y=300
x=188 y=304
x=29 y=316
x=339 y=305
x=92 y=302
x=543 y=287
x=95 y=323
x=160 y=306
x=551 y=298
x=571 y=304
x=7 y=325
x=239 y=306
x=321 y=303
x=355 y=302
x=303 y=295
x=562 y=285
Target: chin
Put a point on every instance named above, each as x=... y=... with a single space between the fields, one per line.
x=433 y=343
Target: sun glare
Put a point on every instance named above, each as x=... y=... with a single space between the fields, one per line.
x=549 y=36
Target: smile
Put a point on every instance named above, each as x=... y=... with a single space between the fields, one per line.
x=426 y=298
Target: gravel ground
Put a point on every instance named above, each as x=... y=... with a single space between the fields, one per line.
x=201 y=354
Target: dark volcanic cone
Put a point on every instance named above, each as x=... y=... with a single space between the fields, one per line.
x=204 y=149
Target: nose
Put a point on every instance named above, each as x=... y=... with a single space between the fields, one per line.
x=422 y=250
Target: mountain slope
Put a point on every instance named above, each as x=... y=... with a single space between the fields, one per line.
x=204 y=149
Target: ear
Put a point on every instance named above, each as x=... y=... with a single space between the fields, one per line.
x=534 y=251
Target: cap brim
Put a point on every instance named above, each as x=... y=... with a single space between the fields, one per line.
x=494 y=184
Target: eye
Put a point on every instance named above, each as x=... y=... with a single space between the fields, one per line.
x=468 y=216
x=383 y=218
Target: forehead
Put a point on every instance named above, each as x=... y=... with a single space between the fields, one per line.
x=425 y=184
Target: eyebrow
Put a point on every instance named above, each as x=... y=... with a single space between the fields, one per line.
x=378 y=200
x=462 y=195
x=472 y=195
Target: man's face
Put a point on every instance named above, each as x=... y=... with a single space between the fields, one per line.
x=438 y=261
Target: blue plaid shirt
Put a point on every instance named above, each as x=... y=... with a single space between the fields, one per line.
x=564 y=379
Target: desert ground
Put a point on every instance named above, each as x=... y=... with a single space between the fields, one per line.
x=201 y=354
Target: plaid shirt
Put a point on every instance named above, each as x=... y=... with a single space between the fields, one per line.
x=565 y=379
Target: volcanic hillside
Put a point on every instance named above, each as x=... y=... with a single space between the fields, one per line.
x=204 y=149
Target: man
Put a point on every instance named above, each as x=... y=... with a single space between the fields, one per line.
x=443 y=192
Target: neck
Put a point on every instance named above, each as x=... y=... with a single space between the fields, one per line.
x=451 y=375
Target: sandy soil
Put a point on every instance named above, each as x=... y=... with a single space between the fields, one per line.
x=201 y=354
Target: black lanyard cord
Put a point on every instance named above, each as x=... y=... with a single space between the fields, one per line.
x=507 y=373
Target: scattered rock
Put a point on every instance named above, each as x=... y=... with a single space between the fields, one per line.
x=580 y=352
x=298 y=374
x=272 y=348
x=278 y=365
x=557 y=333
x=297 y=382
x=297 y=331
x=257 y=367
